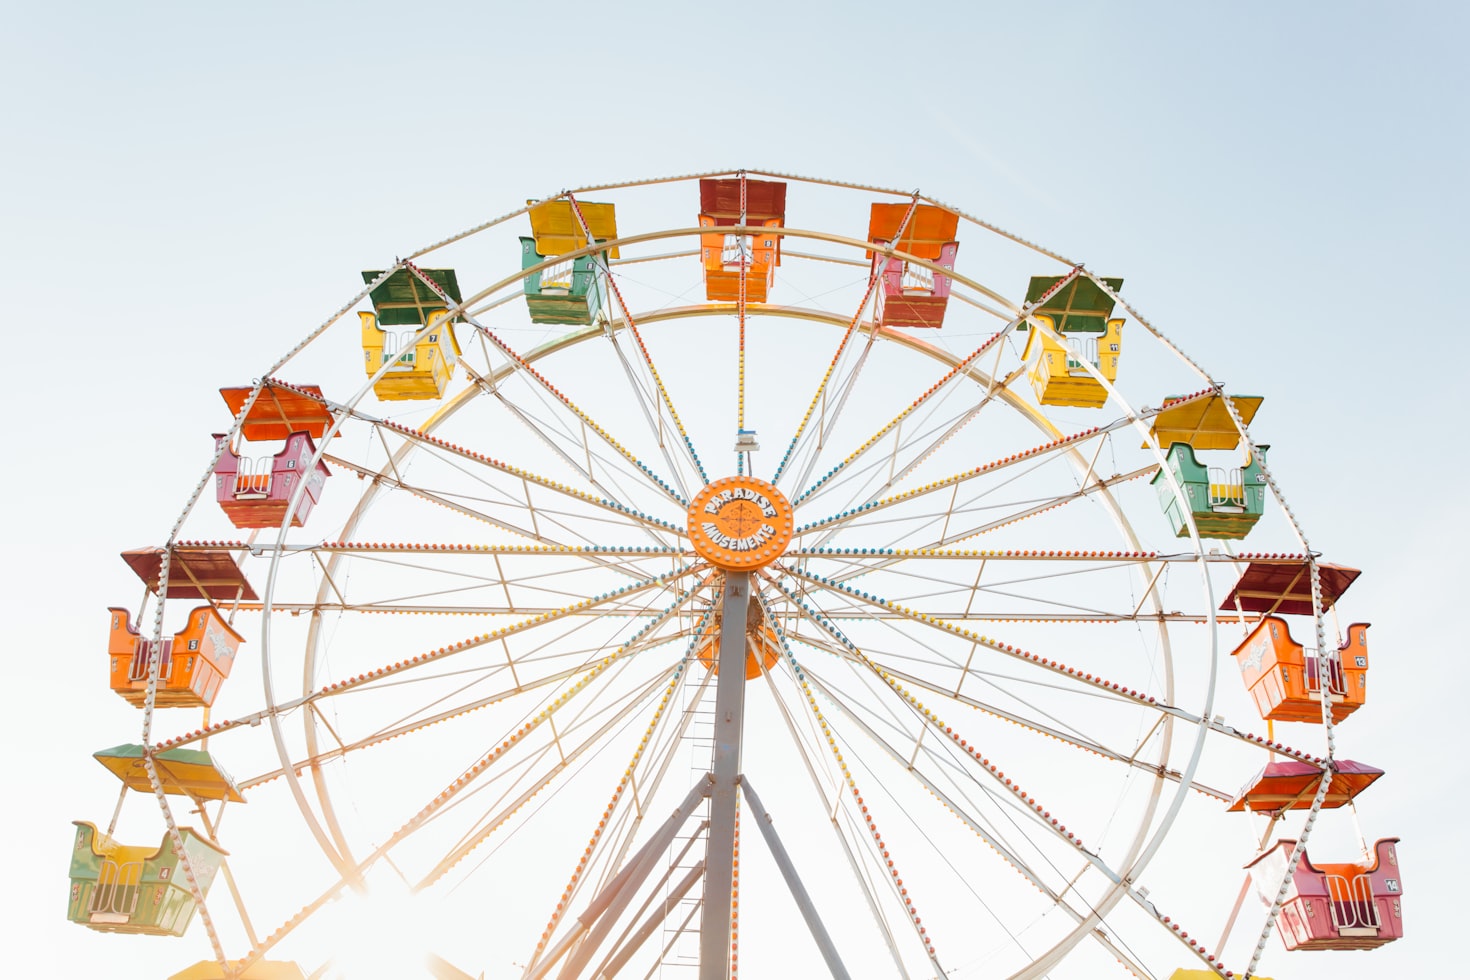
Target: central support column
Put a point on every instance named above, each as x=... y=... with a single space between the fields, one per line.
x=738 y=524
x=714 y=929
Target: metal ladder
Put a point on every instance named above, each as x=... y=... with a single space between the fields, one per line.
x=679 y=935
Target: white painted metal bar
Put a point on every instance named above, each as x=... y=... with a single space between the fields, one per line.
x=765 y=824
x=615 y=895
x=714 y=929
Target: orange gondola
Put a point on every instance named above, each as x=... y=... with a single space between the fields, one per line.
x=1288 y=682
x=762 y=647
x=726 y=256
x=191 y=666
x=913 y=295
x=279 y=410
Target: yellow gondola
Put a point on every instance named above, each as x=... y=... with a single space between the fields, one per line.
x=259 y=970
x=1082 y=332
x=1203 y=421
x=1055 y=366
x=419 y=371
x=183 y=772
x=403 y=304
x=557 y=231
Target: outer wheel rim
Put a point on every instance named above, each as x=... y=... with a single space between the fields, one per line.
x=449 y=408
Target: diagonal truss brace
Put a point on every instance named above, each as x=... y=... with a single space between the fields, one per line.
x=793 y=882
x=593 y=925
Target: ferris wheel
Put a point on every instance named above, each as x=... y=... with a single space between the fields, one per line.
x=655 y=519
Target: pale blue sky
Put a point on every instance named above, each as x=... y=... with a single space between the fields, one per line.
x=188 y=187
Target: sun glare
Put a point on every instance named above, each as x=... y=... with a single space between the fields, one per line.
x=381 y=933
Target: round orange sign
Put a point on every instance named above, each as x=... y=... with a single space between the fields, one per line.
x=740 y=522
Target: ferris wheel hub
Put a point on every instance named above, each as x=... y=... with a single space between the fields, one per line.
x=739 y=523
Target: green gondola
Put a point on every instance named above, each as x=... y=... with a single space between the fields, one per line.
x=567 y=293
x=1225 y=502
x=117 y=888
